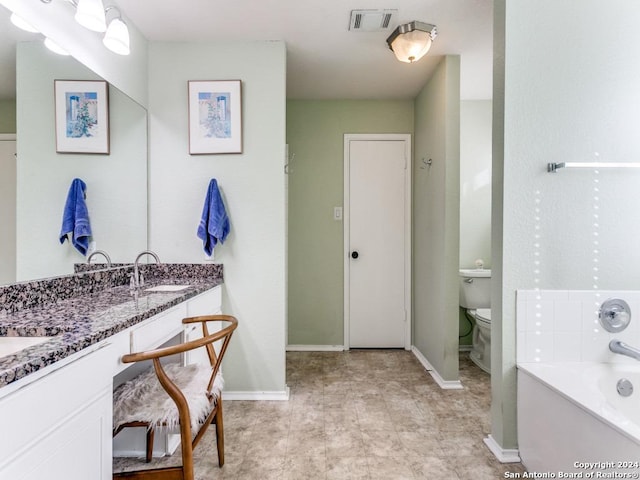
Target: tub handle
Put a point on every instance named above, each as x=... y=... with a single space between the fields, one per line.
x=614 y=315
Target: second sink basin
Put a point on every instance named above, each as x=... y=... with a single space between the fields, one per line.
x=11 y=345
x=166 y=288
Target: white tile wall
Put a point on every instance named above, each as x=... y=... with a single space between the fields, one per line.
x=563 y=326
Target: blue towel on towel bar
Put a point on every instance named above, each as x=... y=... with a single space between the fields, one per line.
x=214 y=223
x=75 y=218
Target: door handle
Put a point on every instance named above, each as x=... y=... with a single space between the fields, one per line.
x=355 y=254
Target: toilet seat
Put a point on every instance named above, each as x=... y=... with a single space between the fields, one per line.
x=483 y=315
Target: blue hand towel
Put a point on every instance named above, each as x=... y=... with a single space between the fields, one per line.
x=214 y=224
x=75 y=218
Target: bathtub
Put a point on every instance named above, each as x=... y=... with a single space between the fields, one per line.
x=571 y=420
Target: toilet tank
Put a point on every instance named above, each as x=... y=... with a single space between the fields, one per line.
x=475 y=288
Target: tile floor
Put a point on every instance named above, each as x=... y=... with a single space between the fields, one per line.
x=362 y=414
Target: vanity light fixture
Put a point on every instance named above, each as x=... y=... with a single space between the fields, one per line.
x=116 y=38
x=90 y=14
x=22 y=24
x=54 y=47
x=411 y=41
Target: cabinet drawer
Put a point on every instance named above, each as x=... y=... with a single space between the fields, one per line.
x=157 y=330
x=207 y=303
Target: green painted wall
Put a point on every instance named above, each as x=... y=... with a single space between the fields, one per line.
x=436 y=219
x=8 y=116
x=315 y=135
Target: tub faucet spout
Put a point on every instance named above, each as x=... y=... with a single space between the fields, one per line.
x=616 y=346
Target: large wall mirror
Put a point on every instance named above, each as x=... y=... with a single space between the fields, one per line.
x=116 y=193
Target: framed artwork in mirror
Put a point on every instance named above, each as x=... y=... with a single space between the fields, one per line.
x=82 y=116
x=215 y=116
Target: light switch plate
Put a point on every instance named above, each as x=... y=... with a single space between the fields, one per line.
x=337 y=213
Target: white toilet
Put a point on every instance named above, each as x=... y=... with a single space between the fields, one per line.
x=475 y=298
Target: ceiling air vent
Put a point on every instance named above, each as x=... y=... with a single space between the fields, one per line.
x=371 y=20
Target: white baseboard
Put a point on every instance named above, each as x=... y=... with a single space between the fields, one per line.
x=444 y=384
x=251 y=395
x=503 y=455
x=315 y=348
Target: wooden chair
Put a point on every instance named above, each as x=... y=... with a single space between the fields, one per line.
x=191 y=408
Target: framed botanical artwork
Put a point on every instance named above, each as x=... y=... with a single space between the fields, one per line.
x=215 y=116
x=82 y=116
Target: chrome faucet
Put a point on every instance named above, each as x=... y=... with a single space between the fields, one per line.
x=616 y=346
x=137 y=280
x=101 y=252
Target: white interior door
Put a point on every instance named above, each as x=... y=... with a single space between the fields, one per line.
x=377 y=219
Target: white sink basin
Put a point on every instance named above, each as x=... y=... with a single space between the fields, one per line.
x=167 y=288
x=11 y=345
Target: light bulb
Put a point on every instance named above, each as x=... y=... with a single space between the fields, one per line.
x=54 y=47
x=23 y=24
x=411 y=46
x=117 y=37
x=90 y=14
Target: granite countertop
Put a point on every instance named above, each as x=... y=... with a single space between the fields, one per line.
x=80 y=321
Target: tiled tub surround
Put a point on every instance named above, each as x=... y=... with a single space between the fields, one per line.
x=83 y=309
x=562 y=326
x=567 y=379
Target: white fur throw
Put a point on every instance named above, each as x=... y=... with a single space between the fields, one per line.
x=143 y=399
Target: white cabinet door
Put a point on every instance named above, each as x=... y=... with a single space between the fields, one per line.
x=59 y=427
x=78 y=449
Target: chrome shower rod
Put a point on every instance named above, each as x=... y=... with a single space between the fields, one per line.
x=553 y=167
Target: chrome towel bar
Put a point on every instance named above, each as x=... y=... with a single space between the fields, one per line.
x=553 y=167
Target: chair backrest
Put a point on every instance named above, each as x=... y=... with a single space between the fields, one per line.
x=188 y=442
x=223 y=336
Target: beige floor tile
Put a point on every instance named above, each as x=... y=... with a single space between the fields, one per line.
x=340 y=420
x=357 y=415
x=305 y=443
x=383 y=443
x=261 y=468
x=269 y=440
x=390 y=468
x=208 y=469
x=476 y=466
x=461 y=444
x=347 y=468
x=433 y=468
x=344 y=443
x=305 y=468
x=421 y=443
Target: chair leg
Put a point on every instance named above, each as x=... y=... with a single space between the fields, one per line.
x=220 y=434
x=150 y=436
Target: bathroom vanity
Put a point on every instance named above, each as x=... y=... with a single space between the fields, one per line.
x=56 y=395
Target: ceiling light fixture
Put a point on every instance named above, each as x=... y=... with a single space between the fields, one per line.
x=411 y=41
